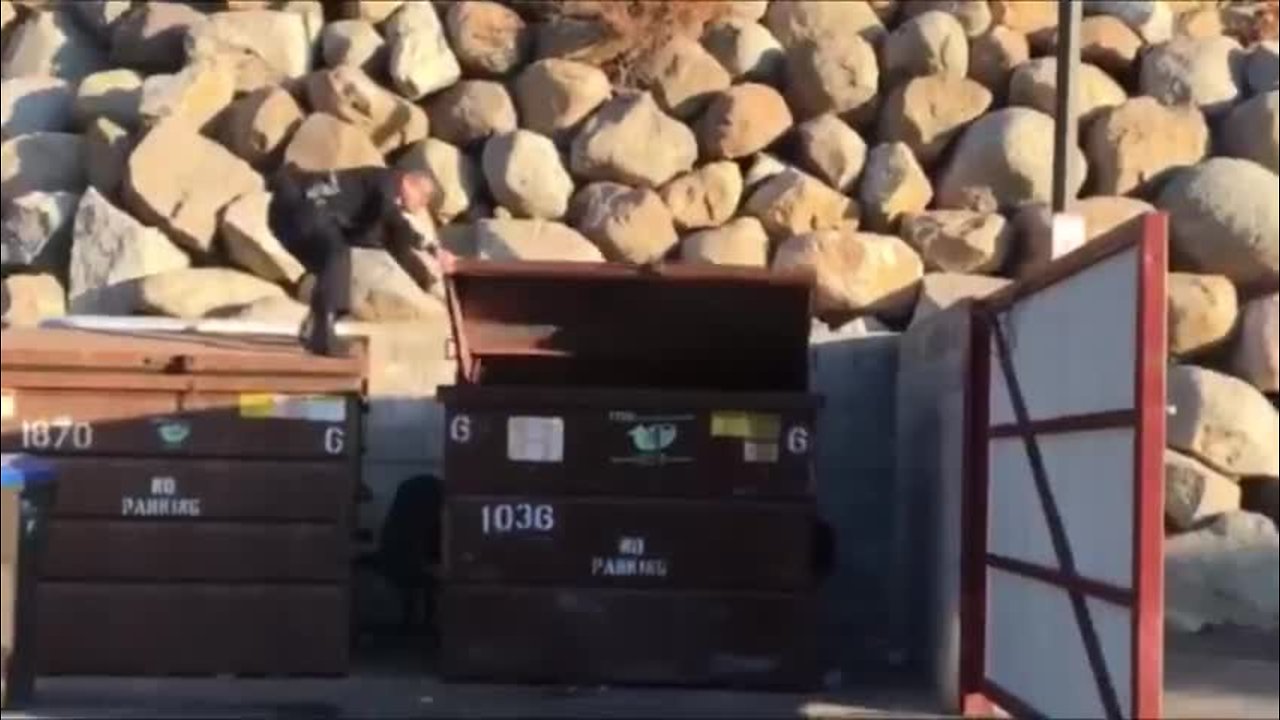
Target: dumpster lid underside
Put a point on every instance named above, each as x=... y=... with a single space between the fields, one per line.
x=604 y=325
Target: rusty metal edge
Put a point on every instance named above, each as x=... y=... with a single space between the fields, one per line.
x=509 y=397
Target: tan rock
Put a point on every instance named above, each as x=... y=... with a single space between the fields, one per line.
x=928 y=113
x=855 y=273
x=1202 y=313
x=42 y=162
x=747 y=11
x=194 y=96
x=793 y=203
x=524 y=173
x=747 y=50
x=795 y=23
x=323 y=143
x=264 y=47
x=35 y=231
x=1194 y=492
x=743 y=121
x=831 y=150
x=107 y=148
x=112 y=94
x=419 y=58
x=555 y=96
x=683 y=77
x=931 y=43
x=178 y=197
x=7 y=14
x=456 y=175
x=742 y=241
x=1252 y=131
x=1132 y=146
x=354 y=42
x=271 y=311
x=1153 y=20
x=533 y=240
x=628 y=224
x=1223 y=422
x=471 y=112
x=959 y=241
x=1202 y=23
x=372 y=11
x=1025 y=16
x=762 y=167
x=1208 y=73
x=838 y=75
x=348 y=94
x=630 y=140
x=1034 y=85
x=34 y=104
x=706 y=197
x=381 y=290
x=32 y=299
x=489 y=39
x=587 y=40
x=50 y=44
x=1101 y=215
x=993 y=56
x=1110 y=44
x=193 y=293
x=1256 y=357
x=974 y=15
x=250 y=243
x=893 y=186
x=258 y=127
x=151 y=37
x=941 y=291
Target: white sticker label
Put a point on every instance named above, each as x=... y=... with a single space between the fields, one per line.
x=535 y=439
x=759 y=452
x=8 y=405
x=306 y=408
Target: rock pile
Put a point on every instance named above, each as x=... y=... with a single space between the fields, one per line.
x=898 y=149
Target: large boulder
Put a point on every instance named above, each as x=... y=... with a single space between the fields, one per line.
x=838 y=75
x=1264 y=68
x=855 y=273
x=993 y=56
x=194 y=96
x=110 y=249
x=271 y=311
x=794 y=203
x=471 y=112
x=107 y=148
x=1205 y=72
x=928 y=113
x=1035 y=85
x=258 y=127
x=525 y=175
x=42 y=162
x=683 y=77
x=795 y=23
x=742 y=121
x=1223 y=422
x=51 y=44
x=1194 y=492
x=488 y=38
x=1225 y=574
x=932 y=43
x=35 y=232
x=1152 y=19
x=959 y=241
x=742 y=241
x=420 y=59
x=940 y=291
x=748 y=51
x=264 y=47
x=762 y=167
x=1002 y=161
x=628 y=224
x=1202 y=313
x=348 y=94
x=381 y=290
x=1256 y=356
x=7 y=14
x=250 y=243
x=630 y=140
x=893 y=186
x=831 y=150
x=1101 y=215
x=457 y=177
x=1225 y=219
x=534 y=240
x=1028 y=17
x=974 y=15
x=323 y=143
x=556 y=96
x=193 y=293
x=35 y=104
x=1252 y=131
x=356 y=43
x=1109 y=43
x=706 y=197
x=112 y=94
x=1133 y=146
x=178 y=197
x=31 y=299
x=151 y=37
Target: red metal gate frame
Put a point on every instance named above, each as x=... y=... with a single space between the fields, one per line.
x=981 y=696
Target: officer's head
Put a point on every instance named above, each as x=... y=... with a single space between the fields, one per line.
x=415 y=191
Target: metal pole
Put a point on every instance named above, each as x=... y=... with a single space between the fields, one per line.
x=1067 y=127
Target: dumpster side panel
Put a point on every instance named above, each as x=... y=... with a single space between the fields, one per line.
x=85 y=422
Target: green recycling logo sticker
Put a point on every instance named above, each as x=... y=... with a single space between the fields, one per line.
x=653 y=438
x=173 y=433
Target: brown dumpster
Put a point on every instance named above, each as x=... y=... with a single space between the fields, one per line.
x=206 y=495
x=628 y=477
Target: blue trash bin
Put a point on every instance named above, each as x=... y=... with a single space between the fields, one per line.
x=26 y=497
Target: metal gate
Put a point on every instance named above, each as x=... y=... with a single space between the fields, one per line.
x=1063 y=569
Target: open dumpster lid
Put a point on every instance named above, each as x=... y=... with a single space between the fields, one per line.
x=606 y=325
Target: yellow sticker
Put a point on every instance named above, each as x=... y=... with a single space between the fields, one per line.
x=8 y=404
x=746 y=426
x=257 y=406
